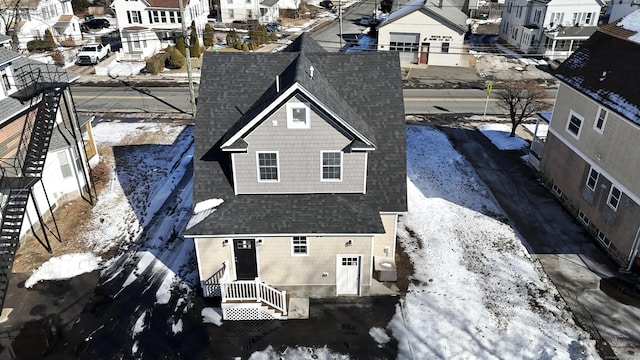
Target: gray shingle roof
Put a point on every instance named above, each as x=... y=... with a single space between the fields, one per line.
x=447 y=13
x=11 y=105
x=605 y=68
x=370 y=83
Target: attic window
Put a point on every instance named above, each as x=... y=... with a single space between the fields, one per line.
x=298 y=115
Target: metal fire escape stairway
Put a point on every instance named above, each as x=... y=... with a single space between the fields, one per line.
x=18 y=187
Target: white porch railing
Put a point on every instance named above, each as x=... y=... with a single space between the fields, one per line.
x=255 y=290
x=211 y=286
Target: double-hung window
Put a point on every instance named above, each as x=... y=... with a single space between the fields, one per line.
x=598 y=125
x=267 y=166
x=574 y=124
x=134 y=17
x=331 y=166
x=445 y=47
x=65 y=167
x=592 y=180
x=614 y=198
x=299 y=245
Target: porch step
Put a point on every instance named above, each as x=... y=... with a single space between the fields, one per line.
x=250 y=310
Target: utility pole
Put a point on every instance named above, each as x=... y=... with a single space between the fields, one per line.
x=340 y=17
x=192 y=93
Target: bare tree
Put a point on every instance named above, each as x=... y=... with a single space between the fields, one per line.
x=9 y=14
x=522 y=99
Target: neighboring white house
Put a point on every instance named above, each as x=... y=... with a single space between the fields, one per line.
x=264 y=11
x=552 y=28
x=34 y=17
x=147 y=26
x=425 y=32
x=621 y=8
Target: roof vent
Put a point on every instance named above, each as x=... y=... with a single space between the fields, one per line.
x=311 y=72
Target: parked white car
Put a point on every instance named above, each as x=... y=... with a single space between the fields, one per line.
x=92 y=54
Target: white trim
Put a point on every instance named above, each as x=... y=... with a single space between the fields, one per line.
x=278 y=102
x=306 y=241
x=579 y=117
x=360 y=268
x=395 y=236
x=200 y=276
x=307 y=113
x=604 y=122
x=301 y=192
x=322 y=152
x=610 y=196
x=586 y=159
x=237 y=236
x=233 y=174
x=373 y=239
x=364 y=182
x=277 y=166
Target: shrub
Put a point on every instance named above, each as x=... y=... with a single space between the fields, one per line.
x=245 y=47
x=48 y=40
x=208 y=36
x=58 y=58
x=37 y=45
x=68 y=42
x=194 y=43
x=180 y=46
x=233 y=39
x=174 y=60
x=155 y=64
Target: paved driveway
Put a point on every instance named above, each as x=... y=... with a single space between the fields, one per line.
x=568 y=254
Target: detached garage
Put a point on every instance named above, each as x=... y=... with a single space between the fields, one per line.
x=426 y=32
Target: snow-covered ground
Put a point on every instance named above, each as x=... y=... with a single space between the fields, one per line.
x=476 y=292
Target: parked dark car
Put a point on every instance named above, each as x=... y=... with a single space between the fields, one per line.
x=327 y=4
x=97 y=23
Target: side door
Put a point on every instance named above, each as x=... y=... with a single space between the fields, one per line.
x=245 y=259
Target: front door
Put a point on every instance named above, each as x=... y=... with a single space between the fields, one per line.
x=348 y=275
x=424 y=54
x=246 y=265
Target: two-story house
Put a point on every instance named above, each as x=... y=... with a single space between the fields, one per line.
x=305 y=155
x=45 y=150
x=426 y=32
x=590 y=157
x=551 y=28
x=262 y=11
x=29 y=19
x=147 y=26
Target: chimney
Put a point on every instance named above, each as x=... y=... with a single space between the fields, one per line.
x=277 y=84
x=440 y=4
x=311 y=72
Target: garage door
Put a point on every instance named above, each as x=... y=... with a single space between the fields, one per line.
x=407 y=45
x=348 y=274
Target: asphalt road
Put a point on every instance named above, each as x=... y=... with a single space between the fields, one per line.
x=168 y=100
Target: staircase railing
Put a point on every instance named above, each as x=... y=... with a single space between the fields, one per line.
x=211 y=286
x=254 y=290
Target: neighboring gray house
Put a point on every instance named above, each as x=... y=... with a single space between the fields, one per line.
x=306 y=158
x=590 y=156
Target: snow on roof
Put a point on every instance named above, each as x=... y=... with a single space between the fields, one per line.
x=632 y=22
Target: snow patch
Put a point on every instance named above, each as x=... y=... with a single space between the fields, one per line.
x=211 y=316
x=499 y=136
x=177 y=327
x=64 y=267
x=631 y=22
x=379 y=335
x=301 y=353
x=206 y=205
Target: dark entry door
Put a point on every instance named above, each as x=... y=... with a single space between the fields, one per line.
x=246 y=265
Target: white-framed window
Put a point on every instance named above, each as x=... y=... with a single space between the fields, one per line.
x=268 y=166
x=614 y=197
x=249 y=13
x=229 y=1
x=592 y=179
x=584 y=218
x=603 y=239
x=156 y=16
x=65 y=167
x=134 y=17
x=299 y=246
x=331 y=166
x=445 y=47
x=601 y=119
x=298 y=116
x=556 y=190
x=231 y=14
x=163 y=17
x=7 y=80
x=172 y=17
x=574 y=124
x=138 y=41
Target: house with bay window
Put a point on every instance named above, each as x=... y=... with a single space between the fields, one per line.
x=551 y=28
x=148 y=26
x=31 y=18
x=304 y=161
x=590 y=156
x=426 y=32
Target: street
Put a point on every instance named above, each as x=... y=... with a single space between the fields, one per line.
x=169 y=100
